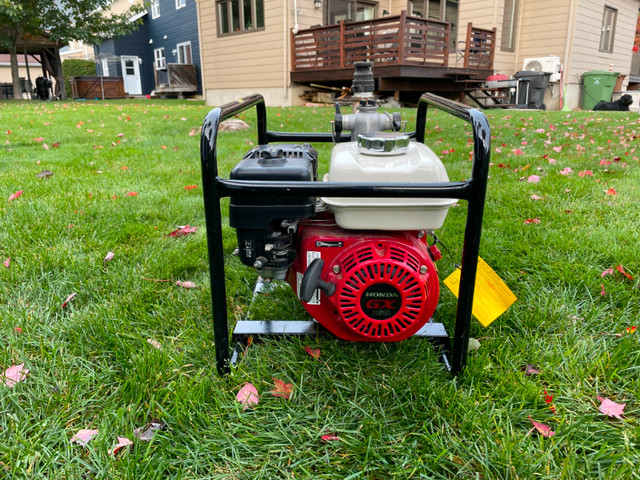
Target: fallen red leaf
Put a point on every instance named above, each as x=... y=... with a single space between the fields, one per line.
x=182 y=231
x=549 y=399
x=108 y=257
x=39 y=139
x=190 y=187
x=608 y=271
x=122 y=442
x=68 y=299
x=544 y=430
x=14 y=374
x=131 y=194
x=621 y=270
x=330 y=437
x=631 y=329
x=610 y=408
x=248 y=396
x=612 y=191
x=84 y=436
x=602 y=291
x=19 y=330
x=531 y=220
x=314 y=352
x=283 y=390
x=13 y=196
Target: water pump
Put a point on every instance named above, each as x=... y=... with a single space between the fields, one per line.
x=362 y=266
x=358 y=246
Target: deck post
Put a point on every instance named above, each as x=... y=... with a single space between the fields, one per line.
x=342 y=44
x=401 y=29
x=467 y=44
x=446 y=46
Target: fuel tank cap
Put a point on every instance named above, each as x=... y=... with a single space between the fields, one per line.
x=383 y=142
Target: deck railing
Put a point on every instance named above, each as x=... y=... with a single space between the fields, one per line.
x=397 y=40
x=177 y=76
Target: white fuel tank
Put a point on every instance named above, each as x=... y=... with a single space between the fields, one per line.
x=390 y=158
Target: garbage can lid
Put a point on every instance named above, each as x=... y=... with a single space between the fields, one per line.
x=530 y=73
x=600 y=73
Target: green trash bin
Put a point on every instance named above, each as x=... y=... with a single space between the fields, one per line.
x=598 y=85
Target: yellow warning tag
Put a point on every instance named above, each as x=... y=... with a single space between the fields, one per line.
x=491 y=296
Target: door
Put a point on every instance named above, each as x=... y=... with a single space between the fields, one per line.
x=131 y=75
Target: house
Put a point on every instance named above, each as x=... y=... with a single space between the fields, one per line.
x=6 y=85
x=277 y=48
x=77 y=50
x=162 y=56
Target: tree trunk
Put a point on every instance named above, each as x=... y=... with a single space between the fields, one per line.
x=15 y=74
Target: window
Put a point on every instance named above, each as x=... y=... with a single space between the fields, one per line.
x=181 y=4
x=608 y=29
x=155 y=9
x=104 y=63
x=184 y=52
x=443 y=10
x=351 y=10
x=159 y=59
x=240 y=16
x=509 y=25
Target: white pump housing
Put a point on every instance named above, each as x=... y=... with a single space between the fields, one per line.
x=387 y=157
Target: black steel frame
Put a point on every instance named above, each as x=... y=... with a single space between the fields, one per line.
x=472 y=190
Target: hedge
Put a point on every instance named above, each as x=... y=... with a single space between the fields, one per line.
x=73 y=68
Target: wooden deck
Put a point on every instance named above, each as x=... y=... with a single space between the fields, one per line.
x=177 y=79
x=408 y=54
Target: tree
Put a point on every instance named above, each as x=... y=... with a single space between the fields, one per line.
x=88 y=21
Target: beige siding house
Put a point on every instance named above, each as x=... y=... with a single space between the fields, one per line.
x=569 y=29
x=586 y=35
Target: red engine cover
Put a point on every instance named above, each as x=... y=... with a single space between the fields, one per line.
x=386 y=282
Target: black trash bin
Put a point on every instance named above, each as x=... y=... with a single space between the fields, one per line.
x=531 y=88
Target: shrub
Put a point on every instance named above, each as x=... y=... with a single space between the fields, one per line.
x=72 y=68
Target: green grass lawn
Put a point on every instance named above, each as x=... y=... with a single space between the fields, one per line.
x=119 y=172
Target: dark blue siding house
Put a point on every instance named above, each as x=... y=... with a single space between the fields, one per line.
x=162 y=56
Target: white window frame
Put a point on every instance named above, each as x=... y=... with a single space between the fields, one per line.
x=181 y=51
x=510 y=25
x=155 y=9
x=225 y=11
x=181 y=4
x=104 y=63
x=608 y=29
x=159 y=58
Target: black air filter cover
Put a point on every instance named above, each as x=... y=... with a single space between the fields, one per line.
x=282 y=163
